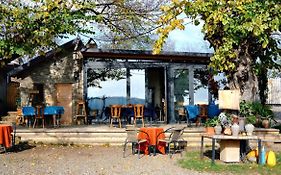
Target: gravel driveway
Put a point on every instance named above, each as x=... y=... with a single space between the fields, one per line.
x=96 y=160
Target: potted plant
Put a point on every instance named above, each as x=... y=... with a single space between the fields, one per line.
x=264 y=113
x=213 y=126
x=249 y=127
x=246 y=110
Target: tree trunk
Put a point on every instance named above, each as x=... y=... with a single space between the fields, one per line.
x=245 y=79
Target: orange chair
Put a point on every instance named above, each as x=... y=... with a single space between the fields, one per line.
x=81 y=112
x=138 y=113
x=39 y=114
x=115 y=114
x=19 y=117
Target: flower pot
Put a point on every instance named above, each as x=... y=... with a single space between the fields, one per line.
x=265 y=123
x=249 y=129
x=241 y=124
x=218 y=129
x=235 y=129
x=210 y=130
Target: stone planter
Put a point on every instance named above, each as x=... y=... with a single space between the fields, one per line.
x=241 y=124
x=235 y=129
x=218 y=129
x=265 y=123
x=249 y=129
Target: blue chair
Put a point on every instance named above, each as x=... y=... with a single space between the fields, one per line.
x=193 y=112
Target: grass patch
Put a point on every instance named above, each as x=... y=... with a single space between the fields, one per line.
x=192 y=161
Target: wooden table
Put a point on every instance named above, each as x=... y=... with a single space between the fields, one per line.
x=152 y=132
x=5 y=135
x=224 y=141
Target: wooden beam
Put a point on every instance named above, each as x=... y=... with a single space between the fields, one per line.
x=136 y=65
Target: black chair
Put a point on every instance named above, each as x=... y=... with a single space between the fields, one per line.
x=175 y=142
x=132 y=137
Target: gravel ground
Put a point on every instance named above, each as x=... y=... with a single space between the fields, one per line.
x=96 y=160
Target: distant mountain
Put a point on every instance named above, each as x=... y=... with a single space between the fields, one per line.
x=97 y=103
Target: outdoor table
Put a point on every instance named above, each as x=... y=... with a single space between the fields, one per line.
x=152 y=132
x=5 y=135
x=226 y=138
x=55 y=111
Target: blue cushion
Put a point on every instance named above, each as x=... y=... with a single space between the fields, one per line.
x=192 y=111
x=213 y=110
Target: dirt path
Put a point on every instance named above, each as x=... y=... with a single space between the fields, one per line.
x=96 y=160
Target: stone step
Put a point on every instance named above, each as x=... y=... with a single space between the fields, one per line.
x=111 y=136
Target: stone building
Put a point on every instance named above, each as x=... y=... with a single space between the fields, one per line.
x=60 y=77
x=53 y=79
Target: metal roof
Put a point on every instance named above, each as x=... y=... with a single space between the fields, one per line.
x=187 y=57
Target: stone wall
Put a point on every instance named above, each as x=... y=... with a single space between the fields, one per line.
x=57 y=70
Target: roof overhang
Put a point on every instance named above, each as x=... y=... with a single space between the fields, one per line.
x=186 y=57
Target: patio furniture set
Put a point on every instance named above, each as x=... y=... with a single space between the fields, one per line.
x=32 y=115
x=152 y=140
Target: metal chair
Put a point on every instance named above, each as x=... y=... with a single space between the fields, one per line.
x=132 y=137
x=138 y=113
x=175 y=142
x=115 y=114
x=39 y=114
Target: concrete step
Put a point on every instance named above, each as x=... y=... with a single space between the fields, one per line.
x=108 y=136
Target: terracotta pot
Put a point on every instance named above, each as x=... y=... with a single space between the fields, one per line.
x=265 y=123
x=210 y=130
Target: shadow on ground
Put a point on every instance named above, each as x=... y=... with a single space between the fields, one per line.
x=208 y=153
x=22 y=146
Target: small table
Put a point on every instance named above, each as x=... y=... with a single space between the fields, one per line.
x=5 y=135
x=152 y=133
x=224 y=139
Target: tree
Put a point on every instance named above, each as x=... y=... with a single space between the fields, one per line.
x=32 y=27
x=240 y=31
